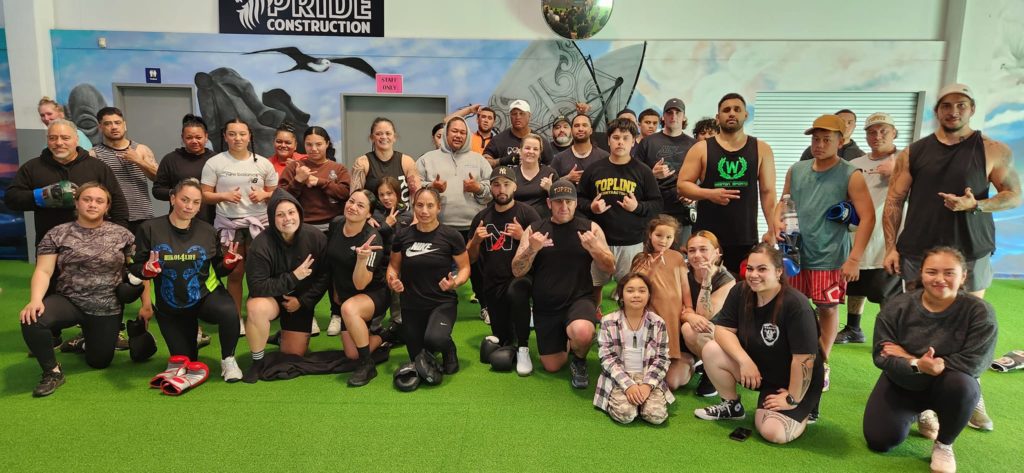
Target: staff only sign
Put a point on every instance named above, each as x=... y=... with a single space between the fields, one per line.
x=303 y=17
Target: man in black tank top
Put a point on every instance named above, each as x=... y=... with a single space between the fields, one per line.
x=726 y=175
x=947 y=175
x=558 y=253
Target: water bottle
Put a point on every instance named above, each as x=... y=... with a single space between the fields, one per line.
x=789 y=215
x=790 y=244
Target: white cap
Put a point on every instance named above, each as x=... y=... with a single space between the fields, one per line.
x=954 y=89
x=520 y=104
x=879 y=118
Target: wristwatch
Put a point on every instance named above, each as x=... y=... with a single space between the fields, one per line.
x=790 y=400
x=913 y=366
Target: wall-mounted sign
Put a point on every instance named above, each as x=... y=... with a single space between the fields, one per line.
x=389 y=83
x=303 y=17
x=152 y=75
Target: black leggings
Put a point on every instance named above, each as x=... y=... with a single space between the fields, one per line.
x=476 y=274
x=100 y=332
x=429 y=330
x=510 y=312
x=891 y=409
x=179 y=328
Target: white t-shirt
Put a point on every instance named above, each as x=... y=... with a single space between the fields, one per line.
x=878 y=187
x=633 y=347
x=225 y=173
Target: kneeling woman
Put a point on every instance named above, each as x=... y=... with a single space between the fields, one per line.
x=633 y=346
x=421 y=270
x=90 y=255
x=286 y=278
x=356 y=255
x=766 y=338
x=182 y=256
x=932 y=344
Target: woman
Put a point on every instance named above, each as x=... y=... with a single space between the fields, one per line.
x=384 y=160
x=710 y=284
x=766 y=338
x=285 y=143
x=633 y=345
x=533 y=179
x=89 y=255
x=931 y=344
x=356 y=256
x=670 y=298
x=239 y=181
x=49 y=110
x=420 y=270
x=185 y=162
x=437 y=135
x=183 y=258
x=287 y=278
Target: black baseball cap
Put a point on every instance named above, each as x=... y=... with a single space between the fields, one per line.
x=503 y=171
x=562 y=189
x=674 y=103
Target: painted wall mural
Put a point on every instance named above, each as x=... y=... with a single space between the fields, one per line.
x=12 y=224
x=551 y=75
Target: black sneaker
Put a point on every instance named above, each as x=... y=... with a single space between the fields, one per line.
x=274 y=339
x=725 y=410
x=705 y=388
x=49 y=383
x=252 y=375
x=813 y=416
x=450 y=360
x=363 y=374
x=850 y=335
x=578 y=371
x=122 y=341
x=74 y=345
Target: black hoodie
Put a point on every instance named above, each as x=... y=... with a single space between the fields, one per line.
x=270 y=262
x=176 y=166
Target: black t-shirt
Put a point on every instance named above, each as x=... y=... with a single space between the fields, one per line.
x=719 y=279
x=426 y=259
x=561 y=272
x=555 y=149
x=505 y=148
x=565 y=160
x=772 y=346
x=613 y=182
x=341 y=255
x=188 y=257
x=529 y=191
x=672 y=149
x=497 y=250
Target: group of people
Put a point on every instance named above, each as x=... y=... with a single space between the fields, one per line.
x=539 y=228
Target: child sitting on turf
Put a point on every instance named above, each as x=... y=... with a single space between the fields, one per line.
x=633 y=346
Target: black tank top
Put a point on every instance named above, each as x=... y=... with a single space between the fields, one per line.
x=936 y=167
x=561 y=273
x=735 y=223
x=379 y=169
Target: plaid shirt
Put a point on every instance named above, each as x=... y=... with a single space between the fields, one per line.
x=613 y=371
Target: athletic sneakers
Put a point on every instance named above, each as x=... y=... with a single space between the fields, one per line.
x=485 y=316
x=122 y=341
x=524 y=366
x=450 y=360
x=473 y=298
x=252 y=375
x=229 y=370
x=578 y=372
x=725 y=410
x=75 y=344
x=928 y=424
x=202 y=339
x=943 y=460
x=314 y=330
x=828 y=374
x=812 y=418
x=363 y=374
x=334 y=327
x=850 y=335
x=274 y=339
x=241 y=327
x=979 y=418
x=705 y=388
x=49 y=383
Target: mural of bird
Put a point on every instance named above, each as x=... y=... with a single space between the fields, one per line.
x=306 y=62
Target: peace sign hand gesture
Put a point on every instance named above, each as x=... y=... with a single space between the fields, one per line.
x=304 y=269
x=152 y=266
x=232 y=257
x=363 y=252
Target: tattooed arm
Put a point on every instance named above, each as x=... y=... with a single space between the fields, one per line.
x=801 y=370
x=892 y=215
x=1003 y=177
x=358 y=174
x=523 y=260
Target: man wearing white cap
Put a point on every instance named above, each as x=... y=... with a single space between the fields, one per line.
x=504 y=147
x=875 y=284
x=947 y=176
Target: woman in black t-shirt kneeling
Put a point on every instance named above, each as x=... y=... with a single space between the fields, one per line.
x=766 y=338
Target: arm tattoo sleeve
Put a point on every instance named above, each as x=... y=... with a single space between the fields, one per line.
x=807 y=369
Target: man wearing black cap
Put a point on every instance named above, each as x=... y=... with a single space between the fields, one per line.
x=559 y=254
x=561 y=134
x=663 y=153
x=497 y=230
x=571 y=163
x=503 y=150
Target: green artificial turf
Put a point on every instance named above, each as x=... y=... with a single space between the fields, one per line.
x=477 y=420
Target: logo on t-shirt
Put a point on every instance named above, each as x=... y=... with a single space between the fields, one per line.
x=769 y=333
x=732 y=172
x=418 y=249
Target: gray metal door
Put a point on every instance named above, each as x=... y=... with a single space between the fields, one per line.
x=153 y=114
x=413 y=115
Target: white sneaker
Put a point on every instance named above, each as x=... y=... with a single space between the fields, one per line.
x=315 y=329
x=943 y=460
x=241 y=327
x=524 y=366
x=979 y=418
x=485 y=316
x=229 y=370
x=334 y=327
x=828 y=375
x=928 y=424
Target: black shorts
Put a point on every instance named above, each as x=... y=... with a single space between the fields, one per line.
x=298 y=321
x=550 y=326
x=875 y=284
x=381 y=299
x=807 y=404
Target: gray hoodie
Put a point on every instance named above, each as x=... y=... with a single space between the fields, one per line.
x=454 y=166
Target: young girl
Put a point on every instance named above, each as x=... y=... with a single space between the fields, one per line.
x=666 y=269
x=633 y=345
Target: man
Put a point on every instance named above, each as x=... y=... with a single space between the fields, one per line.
x=733 y=169
x=875 y=284
x=561 y=134
x=497 y=230
x=559 y=253
x=705 y=128
x=484 y=125
x=620 y=194
x=504 y=147
x=663 y=153
x=133 y=164
x=827 y=262
x=571 y=163
x=649 y=121
x=947 y=175
x=849 y=150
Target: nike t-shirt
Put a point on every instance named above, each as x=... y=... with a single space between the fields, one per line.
x=426 y=259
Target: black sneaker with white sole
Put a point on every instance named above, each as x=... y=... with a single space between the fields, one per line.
x=578 y=372
x=705 y=388
x=850 y=335
x=725 y=410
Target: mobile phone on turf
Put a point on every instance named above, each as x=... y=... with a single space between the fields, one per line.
x=740 y=434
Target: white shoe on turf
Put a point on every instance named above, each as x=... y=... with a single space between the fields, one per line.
x=943 y=460
x=229 y=370
x=928 y=424
x=241 y=327
x=314 y=330
x=485 y=316
x=524 y=366
x=334 y=327
x=979 y=418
